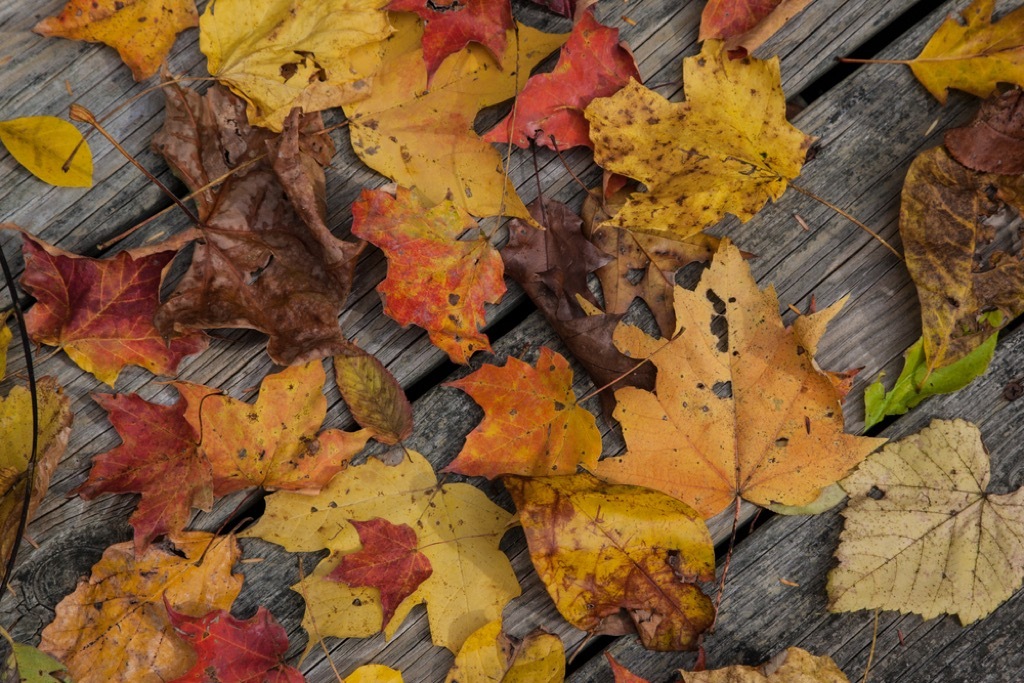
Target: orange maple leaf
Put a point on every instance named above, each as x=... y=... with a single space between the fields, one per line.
x=435 y=280
x=532 y=424
x=739 y=410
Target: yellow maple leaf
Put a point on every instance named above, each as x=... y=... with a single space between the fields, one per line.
x=51 y=149
x=374 y=673
x=792 y=665
x=727 y=149
x=458 y=530
x=618 y=558
x=423 y=138
x=742 y=413
x=5 y=341
x=490 y=654
x=282 y=54
x=54 y=410
x=974 y=55
x=114 y=627
x=921 y=533
x=142 y=31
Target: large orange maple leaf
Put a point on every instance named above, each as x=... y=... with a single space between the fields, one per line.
x=739 y=409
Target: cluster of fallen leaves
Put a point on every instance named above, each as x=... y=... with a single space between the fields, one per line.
x=724 y=403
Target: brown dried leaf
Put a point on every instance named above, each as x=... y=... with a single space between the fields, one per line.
x=993 y=142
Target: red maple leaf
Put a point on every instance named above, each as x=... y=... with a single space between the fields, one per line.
x=159 y=459
x=230 y=650
x=593 y=63
x=100 y=311
x=726 y=18
x=435 y=280
x=450 y=25
x=389 y=562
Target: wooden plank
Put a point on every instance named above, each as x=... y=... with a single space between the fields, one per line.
x=761 y=615
x=64 y=527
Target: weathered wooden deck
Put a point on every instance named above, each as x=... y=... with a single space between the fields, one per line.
x=870 y=121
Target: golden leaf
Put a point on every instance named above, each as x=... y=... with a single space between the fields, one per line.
x=44 y=144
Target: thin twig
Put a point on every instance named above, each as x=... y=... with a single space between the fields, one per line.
x=854 y=60
x=871 y=653
x=728 y=561
x=554 y=144
x=848 y=217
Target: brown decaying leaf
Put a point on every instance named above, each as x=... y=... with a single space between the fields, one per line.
x=792 y=665
x=942 y=223
x=114 y=627
x=552 y=266
x=374 y=396
x=621 y=673
x=734 y=397
x=618 y=559
x=993 y=142
x=267 y=260
x=54 y=410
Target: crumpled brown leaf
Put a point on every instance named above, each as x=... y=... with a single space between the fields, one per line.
x=993 y=142
x=552 y=266
x=944 y=231
x=267 y=260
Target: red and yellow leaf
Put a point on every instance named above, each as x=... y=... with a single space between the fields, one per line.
x=435 y=280
x=100 y=311
x=532 y=424
x=390 y=561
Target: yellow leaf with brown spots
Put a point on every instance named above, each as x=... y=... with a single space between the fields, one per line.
x=423 y=138
x=275 y=443
x=739 y=408
x=458 y=530
x=619 y=559
x=727 y=149
x=282 y=54
x=792 y=665
x=491 y=654
x=142 y=31
x=115 y=628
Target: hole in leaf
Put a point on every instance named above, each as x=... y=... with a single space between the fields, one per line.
x=722 y=389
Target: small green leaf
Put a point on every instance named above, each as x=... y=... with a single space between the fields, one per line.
x=33 y=666
x=911 y=387
x=44 y=145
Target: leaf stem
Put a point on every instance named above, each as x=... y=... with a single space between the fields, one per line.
x=728 y=561
x=30 y=470
x=83 y=115
x=854 y=60
x=871 y=652
x=848 y=217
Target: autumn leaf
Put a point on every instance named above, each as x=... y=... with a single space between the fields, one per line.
x=448 y=28
x=280 y=54
x=435 y=280
x=423 y=138
x=567 y=8
x=159 y=458
x=532 y=424
x=142 y=31
x=100 y=311
x=51 y=149
x=617 y=559
x=55 y=416
x=274 y=443
x=923 y=536
x=705 y=157
x=739 y=410
x=792 y=665
x=26 y=664
x=458 y=530
x=5 y=341
x=389 y=562
x=114 y=626
x=745 y=25
x=491 y=654
x=230 y=650
x=592 y=63
x=917 y=381
x=942 y=223
x=974 y=54
x=374 y=396
x=621 y=673
x=993 y=142
x=267 y=260
x=552 y=267
x=374 y=673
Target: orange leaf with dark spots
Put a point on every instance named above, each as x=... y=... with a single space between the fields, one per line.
x=100 y=311
x=593 y=63
x=273 y=443
x=390 y=561
x=450 y=25
x=532 y=424
x=435 y=280
x=230 y=650
x=158 y=458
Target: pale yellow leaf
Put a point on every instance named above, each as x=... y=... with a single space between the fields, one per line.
x=44 y=145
